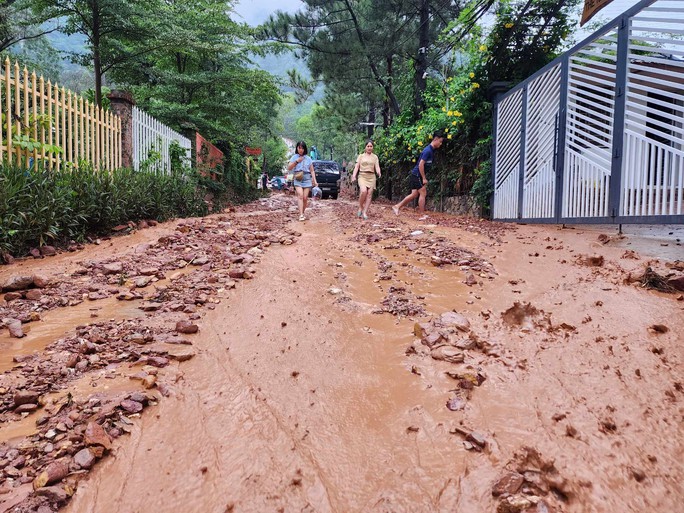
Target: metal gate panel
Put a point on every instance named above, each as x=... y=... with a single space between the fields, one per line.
x=597 y=135
x=589 y=128
x=543 y=105
x=507 y=156
x=653 y=163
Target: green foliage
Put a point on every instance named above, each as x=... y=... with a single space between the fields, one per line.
x=39 y=206
x=525 y=36
x=25 y=138
x=274 y=156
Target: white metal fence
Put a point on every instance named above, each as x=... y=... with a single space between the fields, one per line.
x=598 y=134
x=152 y=141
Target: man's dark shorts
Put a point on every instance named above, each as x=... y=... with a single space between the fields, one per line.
x=415 y=182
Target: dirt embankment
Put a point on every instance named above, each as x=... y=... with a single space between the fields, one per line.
x=245 y=362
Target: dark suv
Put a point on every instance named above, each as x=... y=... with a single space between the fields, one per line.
x=328 y=177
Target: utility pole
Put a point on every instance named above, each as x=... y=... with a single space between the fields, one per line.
x=421 y=60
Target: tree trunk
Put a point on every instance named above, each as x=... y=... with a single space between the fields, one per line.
x=97 y=61
x=421 y=61
x=394 y=103
x=386 y=109
x=371 y=121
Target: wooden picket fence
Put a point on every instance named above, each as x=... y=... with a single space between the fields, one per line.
x=43 y=123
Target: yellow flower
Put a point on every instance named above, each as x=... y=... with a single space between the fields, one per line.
x=443 y=109
x=508 y=25
x=453 y=123
x=449 y=136
x=450 y=113
x=472 y=75
x=461 y=91
x=457 y=114
x=449 y=79
x=475 y=85
x=452 y=99
x=483 y=48
x=420 y=127
x=446 y=130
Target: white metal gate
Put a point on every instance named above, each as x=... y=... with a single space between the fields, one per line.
x=598 y=134
x=152 y=141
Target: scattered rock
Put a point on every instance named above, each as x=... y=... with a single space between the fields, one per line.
x=509 y=484
x=34 y=295
x=85 y=458
x=53 y=473
x=131 y=406
x=186 y=327
x=456 y=403
x=54 y=494
x=448 y=354
x=454 y=320
x=95 y=435
x=14 y=327
x=677 y=283
x=658 y=328
x=26 y=397
x=48 y=251
x=17 y=282
x=593 y=261
x=514 y=504
x=112 y=268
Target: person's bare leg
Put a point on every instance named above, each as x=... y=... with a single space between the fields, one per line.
x=363 y=192
x=305 y=199
x=403 y=202
x=421 y=200
x=369 y=198
x=300 y=200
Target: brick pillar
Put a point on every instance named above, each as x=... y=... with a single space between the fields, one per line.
x=122 y=105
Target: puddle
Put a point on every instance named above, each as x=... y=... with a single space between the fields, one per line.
x=57 y=323
x=116 y=383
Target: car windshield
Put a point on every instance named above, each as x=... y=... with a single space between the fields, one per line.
x=326 y=167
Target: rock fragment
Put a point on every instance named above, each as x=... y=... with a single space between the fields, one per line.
x=53 y=473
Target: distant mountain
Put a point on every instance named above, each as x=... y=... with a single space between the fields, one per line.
x=279 y=65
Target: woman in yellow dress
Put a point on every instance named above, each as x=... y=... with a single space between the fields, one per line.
x=367 y=166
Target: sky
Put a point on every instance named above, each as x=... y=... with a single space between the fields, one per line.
x=254 y=12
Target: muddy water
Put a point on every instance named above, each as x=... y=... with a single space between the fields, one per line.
x=304 y=400
x=313 y=414
x=57 y=323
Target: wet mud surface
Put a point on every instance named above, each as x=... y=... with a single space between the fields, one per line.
x=249 y=362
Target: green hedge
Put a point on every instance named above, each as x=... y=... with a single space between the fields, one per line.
x=40 y=207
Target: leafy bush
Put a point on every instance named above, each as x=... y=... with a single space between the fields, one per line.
x=40 y=206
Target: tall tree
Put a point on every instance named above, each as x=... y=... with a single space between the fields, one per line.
x=17 y=23
x=107 y=26
x=359 y=45
x=199 y=74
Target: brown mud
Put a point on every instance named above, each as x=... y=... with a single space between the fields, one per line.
x=328 y=374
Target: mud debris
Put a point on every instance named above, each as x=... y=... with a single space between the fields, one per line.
x=73 y=434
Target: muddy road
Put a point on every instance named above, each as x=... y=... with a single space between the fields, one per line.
x=247 y=362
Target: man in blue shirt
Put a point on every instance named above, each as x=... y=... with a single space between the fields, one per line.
x=417 y=180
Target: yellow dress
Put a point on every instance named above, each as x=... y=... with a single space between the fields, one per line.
x=367 y=165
